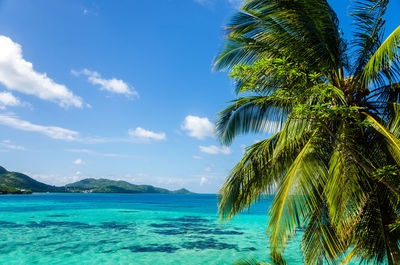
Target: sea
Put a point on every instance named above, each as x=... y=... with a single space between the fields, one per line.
x=52 y=228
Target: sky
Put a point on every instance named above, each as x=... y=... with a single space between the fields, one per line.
x=120 y=89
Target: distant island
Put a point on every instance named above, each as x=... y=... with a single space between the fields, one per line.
x=18 y=183
x=116 y=186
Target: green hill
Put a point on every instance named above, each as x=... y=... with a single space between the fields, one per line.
x=116 y=186
x=11 y=182
x=21 y=181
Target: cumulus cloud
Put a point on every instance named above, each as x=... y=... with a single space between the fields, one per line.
x=141 y=135
x=50 y=131
x=79 y=161
x=112 y=85
x=56 y=179
x=198 y=127
x=8 y=99
x=215 y=150
x=18 y=74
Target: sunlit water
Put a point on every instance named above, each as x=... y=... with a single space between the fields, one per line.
x=129 y=229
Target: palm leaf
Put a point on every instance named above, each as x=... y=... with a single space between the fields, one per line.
x=288 y=206
x=249 y=261
x=253 y=114
x=369 y=21
x=374 y=242
x=275 y=28
x=344 y=192
x=320 y=241
x=248 y=179
x=261 y=168
x=384 y=56
x=393 y=143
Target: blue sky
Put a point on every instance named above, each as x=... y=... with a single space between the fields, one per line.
x=119 y=89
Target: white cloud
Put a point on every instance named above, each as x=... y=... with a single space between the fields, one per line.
x=56 y=179
x=18 y=74
x=198 y=127
x=142 y=135
x=138 y=135
x=8 y=99
x=79 y=161
x=203 y=181
x=50 y=131
x=197 y=157
x=214 y=150
x=112 y=85
x=7 y=144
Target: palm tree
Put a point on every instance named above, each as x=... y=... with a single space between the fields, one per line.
x=333 y=163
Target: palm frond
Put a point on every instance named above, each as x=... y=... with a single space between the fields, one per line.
x=344 y=192
x=295 y=196
x=276 y=28
x=369 y=21
x=374 y=242
x=249 y=261
x=248 y=179
x=261 y=168
x=320 y=240
x=253 y=114
x=394 y=123
x=393 y=143
x=348 y=257
x=385 y=57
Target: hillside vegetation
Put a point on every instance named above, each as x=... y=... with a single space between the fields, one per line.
x=12 y=182
x=22 y=181
x=116 y=186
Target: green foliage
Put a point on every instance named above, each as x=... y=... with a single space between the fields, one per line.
x=10 y=190
x=250 y=261
x=22 y=181
x=386 y=171
x=116 y=186
x=333 y=161
x=14 y=182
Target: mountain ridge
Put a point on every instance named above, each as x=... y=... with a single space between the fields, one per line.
x=21 y=181
x=102 y=185
x=89 y=185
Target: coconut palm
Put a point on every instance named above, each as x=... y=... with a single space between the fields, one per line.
x=333 y=162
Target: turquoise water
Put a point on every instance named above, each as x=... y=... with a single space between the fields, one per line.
x=129 y=229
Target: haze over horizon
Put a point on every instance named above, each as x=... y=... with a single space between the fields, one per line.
x=119 y=90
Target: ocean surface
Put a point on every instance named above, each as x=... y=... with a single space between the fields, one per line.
x=130 y=229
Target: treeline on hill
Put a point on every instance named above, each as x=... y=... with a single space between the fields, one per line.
x=18 y=183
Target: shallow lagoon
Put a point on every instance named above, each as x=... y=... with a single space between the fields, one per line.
x=129 y=229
